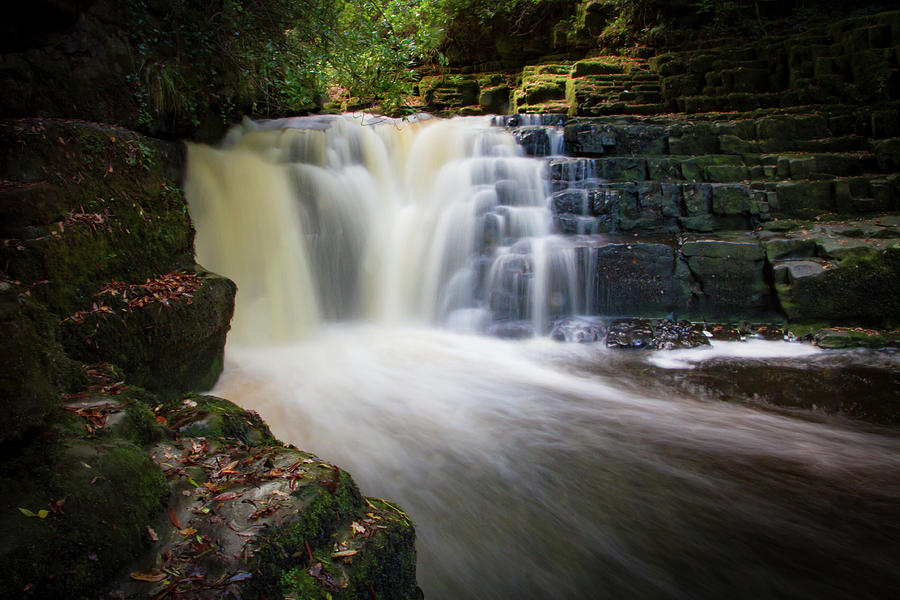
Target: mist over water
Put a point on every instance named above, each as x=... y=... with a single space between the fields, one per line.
x=371 y=258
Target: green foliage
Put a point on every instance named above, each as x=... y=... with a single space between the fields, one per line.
x=227 y=56
x=472 y=27
x=377 y=43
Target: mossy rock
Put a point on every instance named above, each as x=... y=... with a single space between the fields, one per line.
x=805 y=199
x=100 y=496
x=110 y=208
x=495 y=100
x=887 y=154
x=838 y=338
x=282 y=522
x=169 y=347
x=861 y=290
x=596 y=67
x=218 y=419
x=35 y=368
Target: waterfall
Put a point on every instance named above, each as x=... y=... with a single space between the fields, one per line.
x=368 y=252
x=441 y=222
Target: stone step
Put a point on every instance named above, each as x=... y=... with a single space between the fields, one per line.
x=622 y=108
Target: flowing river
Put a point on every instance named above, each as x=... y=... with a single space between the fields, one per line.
x=373 y=260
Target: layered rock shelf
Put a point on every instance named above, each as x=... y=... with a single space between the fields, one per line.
x=677 y=217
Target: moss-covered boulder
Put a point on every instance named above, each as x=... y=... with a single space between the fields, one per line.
x=837 y=338
x=261 y=519
x=216 y=418
x=35 y=369
x=861 y=288
x=167 y=334
x=73 y=510
x=86 y=203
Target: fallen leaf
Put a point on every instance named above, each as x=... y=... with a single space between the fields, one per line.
x=174 y=519
x=188 y=531
x=152 y=534
x=344 y=553
x=152 y=576
x=227 y=496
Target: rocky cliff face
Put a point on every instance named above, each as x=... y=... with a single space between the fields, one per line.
x=735 y=180
x=107 y=324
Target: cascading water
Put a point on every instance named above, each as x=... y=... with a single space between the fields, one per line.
x=443 y=222
x=369 y=252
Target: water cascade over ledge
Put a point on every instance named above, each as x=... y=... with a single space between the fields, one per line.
x=371 y=258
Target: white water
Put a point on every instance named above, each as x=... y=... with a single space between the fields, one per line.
x=528 y=472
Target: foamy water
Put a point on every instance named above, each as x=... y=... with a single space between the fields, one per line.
x=368 y=256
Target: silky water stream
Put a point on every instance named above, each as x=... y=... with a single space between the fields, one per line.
x=374 y=258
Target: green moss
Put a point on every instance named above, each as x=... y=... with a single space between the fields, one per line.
x=35 y=369
x=389 y=564
x=121 y=215
x=168 y=349
x=836 y=338
x=325 y=507
x=596 y=67
x=862 y=291
x=109 y=492
x=216 y=418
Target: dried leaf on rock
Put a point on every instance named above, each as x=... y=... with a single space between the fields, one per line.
x=227 y=496
x=152 y=576
x=174 y=519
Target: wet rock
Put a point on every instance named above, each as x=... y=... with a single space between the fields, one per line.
x=725 y=333
x=835 y=338
x=571 y=201
x=731 y=276
x=630 y=334
x=511 y=330
x=535 y=141
x=663 y=334
x=671 y=335
x=578 y=330
x=635 y=278
x=614 y=136
x=265 y=520
x=769 y=332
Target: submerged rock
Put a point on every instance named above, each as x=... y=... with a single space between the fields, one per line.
x=634 y=333
x=579 y=330
x=835 y=338
x=511 y=330
x=656 y=335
